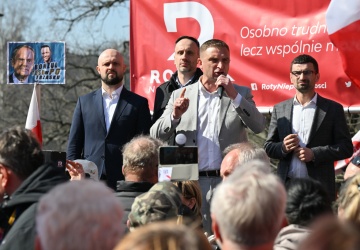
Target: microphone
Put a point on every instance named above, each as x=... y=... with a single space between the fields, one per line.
x=180 y=140
x=220 y=91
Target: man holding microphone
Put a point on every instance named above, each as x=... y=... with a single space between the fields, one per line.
x=212 y=113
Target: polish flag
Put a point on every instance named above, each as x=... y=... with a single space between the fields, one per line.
x=33 y=118
x=356 y=144
x=343 y=23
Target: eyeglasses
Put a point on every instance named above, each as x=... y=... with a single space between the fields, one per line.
x=305 y=72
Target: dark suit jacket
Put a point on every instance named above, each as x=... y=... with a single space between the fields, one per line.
x=329 y=140
x=31 y=79
x=126 y=192
x=89 y=140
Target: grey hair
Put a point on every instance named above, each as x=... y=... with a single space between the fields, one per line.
x=79 y=215
x=140 y=153
x=247 y=152
x=249 y=206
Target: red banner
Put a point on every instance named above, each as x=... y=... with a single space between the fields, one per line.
x=264 y=36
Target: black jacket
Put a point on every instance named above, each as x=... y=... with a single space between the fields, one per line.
x=22 y=207
x=127 y=191
x=163 y=93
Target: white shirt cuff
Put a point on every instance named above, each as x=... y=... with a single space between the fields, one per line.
x=236 y=102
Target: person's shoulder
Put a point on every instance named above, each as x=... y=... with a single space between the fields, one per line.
x=240 y=88
x=284 y=103
x=164 y=85
x=329 y=102
x=134 y=95
x=189 y=88
x=22 y=234
x=90 y=94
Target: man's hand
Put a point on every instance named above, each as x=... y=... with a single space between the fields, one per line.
x=75 y=170
x=290 y=143
x=181 y=104
x=225 y=82
x=304 y=154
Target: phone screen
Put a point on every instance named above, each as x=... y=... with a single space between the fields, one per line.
x=178 y=155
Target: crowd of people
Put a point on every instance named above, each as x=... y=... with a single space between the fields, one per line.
x=110 y=196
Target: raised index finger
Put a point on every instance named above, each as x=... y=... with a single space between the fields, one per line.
x=182 y=94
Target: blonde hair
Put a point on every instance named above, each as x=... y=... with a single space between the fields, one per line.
x=164 y=236
x=191 y=189
x=349 y=199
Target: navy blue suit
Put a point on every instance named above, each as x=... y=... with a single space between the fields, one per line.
x=89 y=139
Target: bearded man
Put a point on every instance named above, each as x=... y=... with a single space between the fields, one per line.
x=106 y=119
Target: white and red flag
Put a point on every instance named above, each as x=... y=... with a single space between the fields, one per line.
x=356 y=144
x=343 y=23
x=33 y=118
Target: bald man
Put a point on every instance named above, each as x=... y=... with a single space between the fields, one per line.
x=107 y=118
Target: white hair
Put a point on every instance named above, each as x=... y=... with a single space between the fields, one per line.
x=249 y=206
x=79 y=215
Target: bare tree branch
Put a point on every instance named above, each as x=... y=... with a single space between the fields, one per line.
x=74 y=12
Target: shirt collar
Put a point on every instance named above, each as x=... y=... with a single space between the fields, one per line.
x=313 y=100
x=116 y=93
x=15 y=80
x=186 y=84
x=203 y=90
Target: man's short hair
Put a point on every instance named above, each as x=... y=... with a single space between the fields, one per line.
x=306 y=200
x=45 y=46
x=79 y=215
x=303 y=59
x=249 y=206
x=15 y=51
x=190 y=38
x=214 y=43
x=141 y=154
x=247 y=152
x=20 y=151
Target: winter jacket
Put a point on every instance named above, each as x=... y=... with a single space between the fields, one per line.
x=17 y=214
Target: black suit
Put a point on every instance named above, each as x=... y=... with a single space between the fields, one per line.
x=329 y=140
x=88 y=136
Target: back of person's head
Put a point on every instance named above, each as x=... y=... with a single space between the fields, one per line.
x=349 y=199
x=164 y=236
x=140 y=157
x=20 y=152
x=79 y=215
x=329 y=233
x=248 y=208
x=191 y=198
x=236 y=155
x=306 y=200
x=160 y=203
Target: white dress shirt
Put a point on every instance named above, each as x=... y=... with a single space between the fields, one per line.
x=110 y=103
x=209 y=152
x=302 y=120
